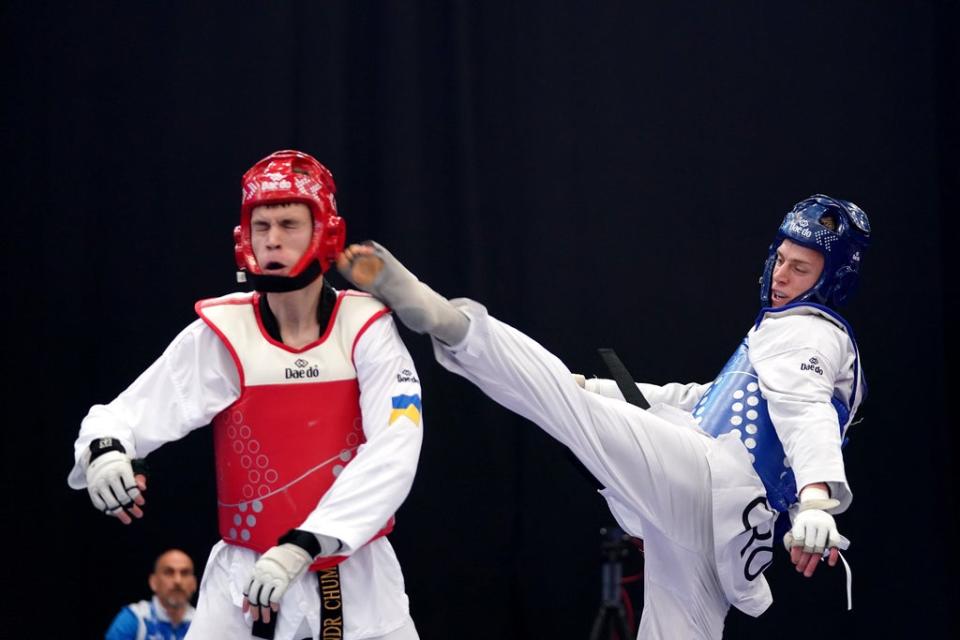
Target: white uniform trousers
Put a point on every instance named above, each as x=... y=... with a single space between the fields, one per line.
x=374 y=602
x=656 y=472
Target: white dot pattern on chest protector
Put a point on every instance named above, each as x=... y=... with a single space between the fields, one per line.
x=259 y=476
x=740 y=408
x=749 y=395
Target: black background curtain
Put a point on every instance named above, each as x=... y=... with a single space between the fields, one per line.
x=596 y=173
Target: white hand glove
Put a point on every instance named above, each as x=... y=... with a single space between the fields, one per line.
x=272 y=575
x=814 y=529
x=111 y=484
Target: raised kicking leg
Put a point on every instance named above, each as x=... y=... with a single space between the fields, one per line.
x=656 y=473
x=656 y=467
x=373 y=269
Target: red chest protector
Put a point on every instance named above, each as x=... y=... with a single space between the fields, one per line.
x=296 y=424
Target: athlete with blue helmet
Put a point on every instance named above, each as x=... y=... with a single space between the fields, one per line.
x=703 y=474
x=836 y=229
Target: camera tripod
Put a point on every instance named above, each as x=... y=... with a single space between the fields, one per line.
x=611 y=620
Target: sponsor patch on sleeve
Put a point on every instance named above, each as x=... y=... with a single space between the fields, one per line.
x=406 y=375
x=408 y=406
x=813 y=364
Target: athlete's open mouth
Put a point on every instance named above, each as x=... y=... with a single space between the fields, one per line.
x=273 y=266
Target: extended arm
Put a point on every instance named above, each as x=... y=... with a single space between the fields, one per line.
x=189 y=384
x=675 y=394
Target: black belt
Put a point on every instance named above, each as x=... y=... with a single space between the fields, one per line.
x=331 y=604
x=623 y=379
x=331 y=609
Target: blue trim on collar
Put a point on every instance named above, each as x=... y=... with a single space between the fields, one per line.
x=793 y=305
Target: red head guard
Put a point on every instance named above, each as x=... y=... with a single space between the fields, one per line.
x=291 y=176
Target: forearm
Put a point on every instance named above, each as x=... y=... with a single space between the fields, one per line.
x=192 y=381
x=810 y=435
x=142 y=418
x=676 y=394
x=368 y=491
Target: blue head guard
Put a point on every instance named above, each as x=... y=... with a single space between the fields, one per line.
x=841 y=248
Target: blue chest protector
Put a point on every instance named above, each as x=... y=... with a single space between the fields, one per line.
x=734 y=404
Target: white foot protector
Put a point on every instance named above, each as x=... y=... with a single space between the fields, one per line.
x=418 y=306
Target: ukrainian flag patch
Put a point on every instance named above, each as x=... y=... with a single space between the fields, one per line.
x=408 y=406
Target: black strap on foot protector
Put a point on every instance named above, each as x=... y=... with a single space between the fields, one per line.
x=265 y=630
x=331 y=603
x=623 y=379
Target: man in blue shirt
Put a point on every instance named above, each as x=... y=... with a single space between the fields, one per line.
x=167 y=615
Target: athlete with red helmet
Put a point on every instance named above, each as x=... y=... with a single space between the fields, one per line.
x=315 y=406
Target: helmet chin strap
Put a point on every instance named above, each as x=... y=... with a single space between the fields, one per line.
x=281 y=284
